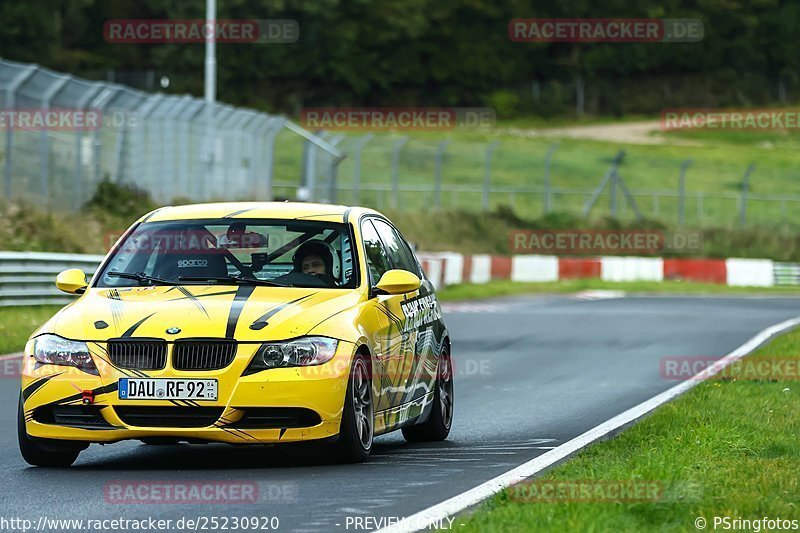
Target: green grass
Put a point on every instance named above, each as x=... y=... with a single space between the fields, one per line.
x=17 y=324
x=725 y=448
x=719 y=162
x=498 y=288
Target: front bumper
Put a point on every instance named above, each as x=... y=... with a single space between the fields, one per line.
x=309 y=390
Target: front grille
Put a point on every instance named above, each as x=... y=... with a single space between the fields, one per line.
x=148 y=354
x=79 y=416
x=178 y=417
x=203 y=354
x=276 y=418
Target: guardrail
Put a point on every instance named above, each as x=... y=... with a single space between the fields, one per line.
x=28 y=278
x=787 y=273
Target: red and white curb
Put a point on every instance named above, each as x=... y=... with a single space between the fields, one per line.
x=450 y=268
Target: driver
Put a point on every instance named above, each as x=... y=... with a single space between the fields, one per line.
x=315 y=259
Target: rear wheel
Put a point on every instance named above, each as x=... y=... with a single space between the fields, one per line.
x=437 y=427
x=358 y=419
x=44 y=452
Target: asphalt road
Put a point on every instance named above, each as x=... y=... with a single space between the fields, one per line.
x=531 y=373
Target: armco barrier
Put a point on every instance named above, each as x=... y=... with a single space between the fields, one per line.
x=28 y=278
x=787 y=273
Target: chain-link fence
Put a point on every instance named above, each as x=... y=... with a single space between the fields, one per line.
x=63 y=135
x=167 y=146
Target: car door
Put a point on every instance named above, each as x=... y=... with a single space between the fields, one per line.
x=388 y=338
x=418 y=310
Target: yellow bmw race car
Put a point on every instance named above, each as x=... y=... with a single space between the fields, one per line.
x=244 y=323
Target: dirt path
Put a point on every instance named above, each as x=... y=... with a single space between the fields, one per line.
x=648 y=132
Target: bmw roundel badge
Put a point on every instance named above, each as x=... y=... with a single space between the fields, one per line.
x=174 y=331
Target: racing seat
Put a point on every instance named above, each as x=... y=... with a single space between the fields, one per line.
x=211 y=262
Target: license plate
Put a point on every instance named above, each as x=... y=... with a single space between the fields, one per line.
x=167 y=389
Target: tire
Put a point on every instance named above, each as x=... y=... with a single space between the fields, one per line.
x=357 y=428
x=44 y=452
x=437 y=427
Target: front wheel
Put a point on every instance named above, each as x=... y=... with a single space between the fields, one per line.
x=44 y=453
x=358 y=418
x=437 y=427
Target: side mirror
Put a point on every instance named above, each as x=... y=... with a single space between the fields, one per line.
x=72 y=281
x=397 y=282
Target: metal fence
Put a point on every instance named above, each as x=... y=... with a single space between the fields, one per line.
x=160 y=143
x=388 y=171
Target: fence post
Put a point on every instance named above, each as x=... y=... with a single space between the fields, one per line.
x=487 y=176
x=10 y=103
x=548 y=193
x=700 y=209
x=357 y=165
x=77 y=189
x=309 y=162
x=682 y=192
x=334 y=173
x=612 y=192
x=333 y=169
x=611 y=172
x=44 y=176
x=745 y=186
x=398 y=145
x=438 y=173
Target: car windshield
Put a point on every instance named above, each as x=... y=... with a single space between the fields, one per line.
x=233 y=251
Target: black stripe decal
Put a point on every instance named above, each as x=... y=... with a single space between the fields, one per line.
x=242 y=294
x=261 y=321
x=98 y=391
x=36 y=385
x=116 y=307
x=203 y=295
x=193 y=299
x=239 y=212
x=131 y=329
x=315 y=216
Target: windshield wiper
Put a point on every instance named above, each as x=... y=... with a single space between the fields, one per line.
x=234 y=279
x=141 y=277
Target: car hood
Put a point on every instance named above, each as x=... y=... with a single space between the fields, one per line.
x=245 y=312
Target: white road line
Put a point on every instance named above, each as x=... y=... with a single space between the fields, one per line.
x=485 y=490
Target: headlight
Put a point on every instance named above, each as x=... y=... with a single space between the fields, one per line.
x=305 y=351
x=55 y=350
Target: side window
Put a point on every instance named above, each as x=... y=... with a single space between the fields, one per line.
x=399 y=253
x=377 y=261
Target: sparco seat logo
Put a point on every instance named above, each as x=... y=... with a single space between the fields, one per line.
x=192 y=263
